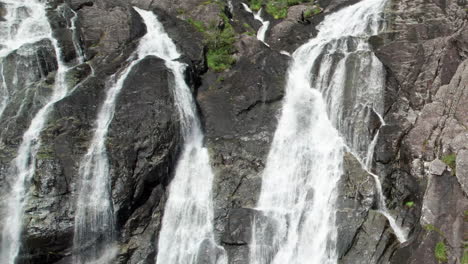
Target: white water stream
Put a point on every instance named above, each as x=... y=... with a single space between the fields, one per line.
x=334 y=84
x=187 y=234
x=265 y=24
x=26 y=22
x=94 y=239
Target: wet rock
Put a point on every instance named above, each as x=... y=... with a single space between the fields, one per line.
x=109 y=27
x=60 y=22
x=143 y=153
x=370 y=245
x=189 y=42
x=356 y=190
x=3 y=12
x=238 y=229
x=238 y=109
x=442 y=220
x=29 y=74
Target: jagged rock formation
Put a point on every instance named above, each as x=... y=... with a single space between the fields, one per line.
x=421 y=156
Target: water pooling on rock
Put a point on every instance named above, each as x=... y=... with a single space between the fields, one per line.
x=187 y=230
x=334 y=86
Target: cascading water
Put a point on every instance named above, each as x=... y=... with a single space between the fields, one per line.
x=335 y=83
x=26 y=22
x=94 y=220
x=65 y=9
x=187 y=234
x=265 y=24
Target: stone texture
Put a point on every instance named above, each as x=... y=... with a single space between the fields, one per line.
x=462 y=169
x=437 y=167
x=424 y=50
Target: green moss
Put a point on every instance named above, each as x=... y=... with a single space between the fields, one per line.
x=409 y=204
x=440 y=252
x=311 y=12
x=450 y=160
x=430 y=228
x=277 y=8
x=45 y=153
x=465 y=257
x=220 y=79
x=248 y=30
x=255 y=5
x=198 y=25
x=219 y=43
x=181 y=11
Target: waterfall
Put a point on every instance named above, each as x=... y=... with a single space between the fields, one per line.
x=26 y=22
x=75 y=34
x=187 y=229
x=265 y=24
x=334 y=86
x=94 y=240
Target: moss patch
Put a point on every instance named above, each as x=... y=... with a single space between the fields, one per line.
x=220 y=43
x=440 y=252
x=450 y=160
x=465 y=257
x=312 y=11
x=277 y=8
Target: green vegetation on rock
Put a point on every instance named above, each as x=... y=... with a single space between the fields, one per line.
x=440 y=252
x=409 y=204
x=465 y=257
x=198 y=25
x=312 y=11
x=450 y=160
x=277 y=8
x=219 y=41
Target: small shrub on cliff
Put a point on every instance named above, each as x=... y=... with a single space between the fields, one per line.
x=198 y=25
x=277 y=8
x=255 y=5
x=450 y=160
x=311 y=12
x=219 y=41
x=465 y=257
x=440 y=252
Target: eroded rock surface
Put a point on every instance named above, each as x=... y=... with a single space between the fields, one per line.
x=421 y=156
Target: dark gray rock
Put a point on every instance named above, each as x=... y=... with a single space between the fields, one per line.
x=238 y=109
x=109 y=28
x=143 y=144
x=356 y=191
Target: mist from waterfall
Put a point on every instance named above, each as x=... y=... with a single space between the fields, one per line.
x=334 y=88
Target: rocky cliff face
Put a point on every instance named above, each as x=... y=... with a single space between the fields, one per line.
x=421 y=158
